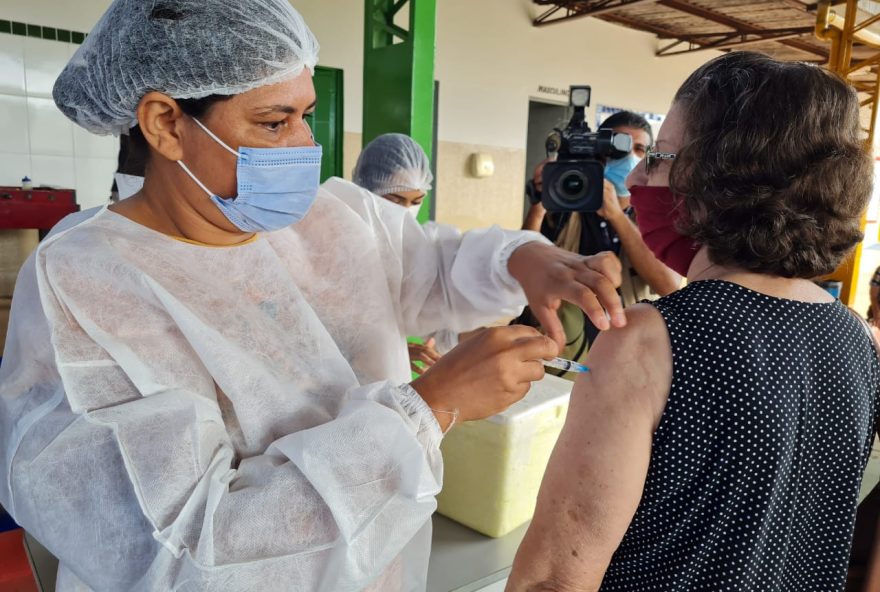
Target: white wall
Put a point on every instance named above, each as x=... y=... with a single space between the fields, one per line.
x=491 y=60
x=75 y=15
x=339 y=27
x=39 y=141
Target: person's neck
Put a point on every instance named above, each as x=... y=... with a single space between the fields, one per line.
x=162 y=206
x=703 y=268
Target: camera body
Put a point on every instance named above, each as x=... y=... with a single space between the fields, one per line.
x=575 y=181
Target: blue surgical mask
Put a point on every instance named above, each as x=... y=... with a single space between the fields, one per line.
x=616 y=171
x=276 y=186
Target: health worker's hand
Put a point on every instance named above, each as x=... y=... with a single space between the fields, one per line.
x=485 y=374
x=549 y=275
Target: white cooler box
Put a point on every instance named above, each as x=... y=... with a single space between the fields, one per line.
x=493 y=467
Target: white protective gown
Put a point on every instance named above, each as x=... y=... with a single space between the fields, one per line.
x=181 y=417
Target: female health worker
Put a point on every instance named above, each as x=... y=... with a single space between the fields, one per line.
x=205 y=386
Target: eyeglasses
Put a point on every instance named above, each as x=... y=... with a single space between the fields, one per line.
x=653 y=158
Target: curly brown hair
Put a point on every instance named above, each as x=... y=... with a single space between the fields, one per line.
x=773 y=173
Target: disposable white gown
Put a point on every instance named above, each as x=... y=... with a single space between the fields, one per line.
x=179 y=417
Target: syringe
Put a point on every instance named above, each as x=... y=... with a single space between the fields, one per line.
x=567 y=365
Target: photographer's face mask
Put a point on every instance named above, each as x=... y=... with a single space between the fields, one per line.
x=276 y=186
x=616 y=171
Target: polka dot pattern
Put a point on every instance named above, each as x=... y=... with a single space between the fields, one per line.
x=757 y=461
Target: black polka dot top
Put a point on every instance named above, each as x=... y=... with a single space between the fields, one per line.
x=757 y=462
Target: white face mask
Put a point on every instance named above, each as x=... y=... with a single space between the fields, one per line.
x=128 y=185
x=414 y=210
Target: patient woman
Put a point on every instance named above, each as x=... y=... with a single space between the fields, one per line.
x=719 y=441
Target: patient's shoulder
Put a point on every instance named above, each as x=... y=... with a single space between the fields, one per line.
x=633 y=365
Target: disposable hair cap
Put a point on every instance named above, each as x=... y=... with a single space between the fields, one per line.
x=186 y=49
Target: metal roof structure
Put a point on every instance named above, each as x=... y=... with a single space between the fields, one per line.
x=784 y=29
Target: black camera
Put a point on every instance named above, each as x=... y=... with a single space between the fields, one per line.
x=575 y=181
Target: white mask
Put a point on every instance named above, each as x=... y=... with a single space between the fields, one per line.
x=414 y=210
x=128 y=185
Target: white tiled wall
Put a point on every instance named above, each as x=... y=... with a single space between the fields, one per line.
x=36 y=139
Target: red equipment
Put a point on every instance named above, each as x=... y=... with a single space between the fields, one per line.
x=40 y=208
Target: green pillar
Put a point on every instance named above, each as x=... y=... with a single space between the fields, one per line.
x=399 y=72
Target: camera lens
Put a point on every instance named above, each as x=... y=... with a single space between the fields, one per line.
x=572 y=185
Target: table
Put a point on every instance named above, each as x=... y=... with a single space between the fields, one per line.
x=463 y=560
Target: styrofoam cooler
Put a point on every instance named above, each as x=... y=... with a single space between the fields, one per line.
x=493 y=467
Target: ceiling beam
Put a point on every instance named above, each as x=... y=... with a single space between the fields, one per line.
x=806 y=7
x=729 y=41
x=606 y=10
x=872 y=61
x=667 y=34
x=867 y=23
x=636 y=24
x=577 y=10
x=733 y=23
x=806 y=47
x=707 y=37
x=710 y=15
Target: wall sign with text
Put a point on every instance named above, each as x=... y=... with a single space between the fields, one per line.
x=552 y=90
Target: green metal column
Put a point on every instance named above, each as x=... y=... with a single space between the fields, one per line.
x=326 y=122
x=399 y=72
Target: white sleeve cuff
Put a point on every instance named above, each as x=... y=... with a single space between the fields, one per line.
x=501 y=270
x=428 y=429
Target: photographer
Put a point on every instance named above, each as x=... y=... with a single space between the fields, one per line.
x=612 y=227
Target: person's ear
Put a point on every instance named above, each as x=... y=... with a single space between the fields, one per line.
x=161 y=121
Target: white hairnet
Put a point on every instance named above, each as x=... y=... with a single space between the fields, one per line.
x=186 y=49
x=392 y=163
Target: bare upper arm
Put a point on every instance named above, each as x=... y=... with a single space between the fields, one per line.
x=596 y=474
